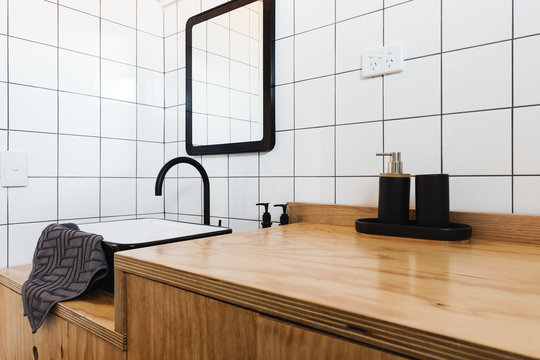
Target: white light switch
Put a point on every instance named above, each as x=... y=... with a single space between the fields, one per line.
x=385 y=60
x=14 y=166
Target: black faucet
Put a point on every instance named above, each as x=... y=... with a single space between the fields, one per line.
x=204 y=175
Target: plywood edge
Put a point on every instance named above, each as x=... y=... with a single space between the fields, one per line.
x=486 y=226
x=12 y=279
x=393 y=337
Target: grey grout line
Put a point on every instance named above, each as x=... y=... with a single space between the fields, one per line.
x=58 y=113
x=100 y=202
x=7 y=132
x=335 y=102
x=513 y=109
x=441 y=123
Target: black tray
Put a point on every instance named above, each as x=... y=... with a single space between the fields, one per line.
x=454 y=232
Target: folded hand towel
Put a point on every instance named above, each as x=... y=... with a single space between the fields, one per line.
x=66 y=263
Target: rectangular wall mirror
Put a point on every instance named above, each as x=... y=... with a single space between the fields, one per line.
x=230 y=79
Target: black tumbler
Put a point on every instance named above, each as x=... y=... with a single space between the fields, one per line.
x=394 y=195
x=432 y=200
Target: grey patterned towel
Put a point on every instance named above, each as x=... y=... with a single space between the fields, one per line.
x=66 y=263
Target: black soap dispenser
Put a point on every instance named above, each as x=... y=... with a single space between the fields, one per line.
x=266 y=218
x=284 y=218
x=394 y=192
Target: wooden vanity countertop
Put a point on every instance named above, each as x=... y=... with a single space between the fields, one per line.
x=429 y=299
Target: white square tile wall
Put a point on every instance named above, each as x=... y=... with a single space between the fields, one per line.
x=68 y=97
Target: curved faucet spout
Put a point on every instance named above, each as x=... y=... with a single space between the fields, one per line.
x=206 y=183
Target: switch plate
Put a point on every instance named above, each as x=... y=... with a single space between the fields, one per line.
x=14 y=168
x=385 y=60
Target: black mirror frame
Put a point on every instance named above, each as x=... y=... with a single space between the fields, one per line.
x=269 y=137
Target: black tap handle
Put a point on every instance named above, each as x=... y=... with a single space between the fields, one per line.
x=284 y=218
x=265 y=206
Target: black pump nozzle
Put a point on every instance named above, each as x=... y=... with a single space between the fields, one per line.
x=284 y=218
x=266 y=218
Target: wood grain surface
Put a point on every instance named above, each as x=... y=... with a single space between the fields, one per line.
x=486 y=226
x=426 y=299
x=93 y=311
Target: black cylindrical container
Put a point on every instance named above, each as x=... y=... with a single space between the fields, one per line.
x=432 y=200
x=394 y=194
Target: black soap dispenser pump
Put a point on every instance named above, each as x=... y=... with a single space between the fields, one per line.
x=394 y=192
x=266 y=218
x=284 y=218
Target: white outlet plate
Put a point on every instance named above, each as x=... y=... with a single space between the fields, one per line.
x=385 y=60
x=14 y=168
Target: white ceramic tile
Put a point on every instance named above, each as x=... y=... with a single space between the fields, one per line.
x=78 y=198
x=362 y=191
x=88 y=6
x=118 y=197
x=171 y=53
x=276 y=191
x=171 y=88
x=284 y=107
x=79 y=114
x=3 y=247
x=240 y=105
x=118 y=81
x=284 y=18
x=314 y=102
x=78 y=156
x=3 y=106
x=217 y=39
x=118 y=158
x=150 y=87
x=415 y=91
x=526 y=145
x=191 y=219
x=219 y=221
x=185 y=170
x=311 y=14
x=149 y=51
x=41 y=150
x=171 y=124
x=78 y=73
x=481 y=194
x=284 y=61
x=525 y=21
x=356 y=146
x=78 y=31
x=32 y=108
x=182 y=50
x=239 y=76
x=182 y=123
x=468 y=23
x=279 y=161
x=3 y=58
x=216 y=165
x=170 y=191
x=473 y=86
x=526 y=71
x=244 y=164
x=190 y=196
x=33 y=20
x=32 y=64
x=346 y=9
x=181 y=87
x=314 y=190
x=526 y=195
x=243 y=195
x=3 y=16
x=314 y=152
x=218 y=70
x=186 y=9
x=355 y=36
x=147 y=201
x=150 y=123
x=218 y=100
x=36 y=202
x=3 y=206
x=219 y=198
x=150 y=16
x=405 y=136
x=467 y=138
x=22 y=242
x=239 y=226
x=358 y=99
x=120 y=11
x=240 y=47
x=149 y=159
x=314 y=53
x=118 y=119
x=171 y=151
x=389 y=3
x=417 y=24
x=118 y=42
x=169 y=19
x=218 y=130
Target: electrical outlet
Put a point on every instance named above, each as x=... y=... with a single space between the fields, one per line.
x=385 y=60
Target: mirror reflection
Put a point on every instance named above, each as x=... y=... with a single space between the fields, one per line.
x=227 y=77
